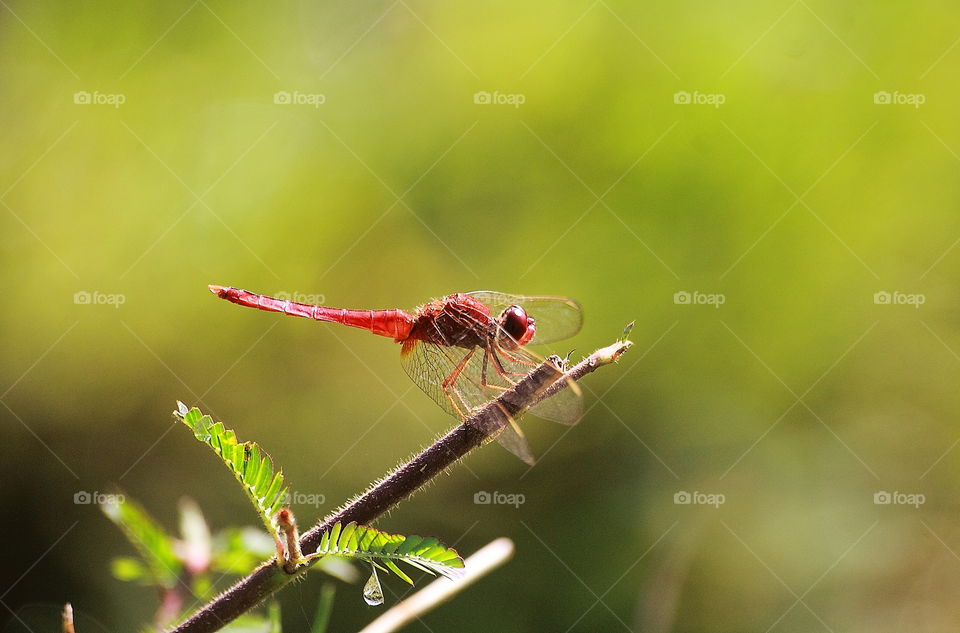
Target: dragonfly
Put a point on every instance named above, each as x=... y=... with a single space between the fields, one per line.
x=462 y=350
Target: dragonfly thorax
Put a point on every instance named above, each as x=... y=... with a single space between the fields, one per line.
x=455 y=321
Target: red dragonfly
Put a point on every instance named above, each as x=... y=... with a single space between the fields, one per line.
x=462 y=350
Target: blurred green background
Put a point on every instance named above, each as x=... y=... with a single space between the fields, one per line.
x=793 y=202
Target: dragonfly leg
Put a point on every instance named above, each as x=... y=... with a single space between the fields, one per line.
x=483 y=369
x=498 y=366
x=456 y=407
x=449 y=381
x=502 y=371
x=519 y=361
x=483 y=373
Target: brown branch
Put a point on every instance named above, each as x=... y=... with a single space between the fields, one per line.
x=543 y=382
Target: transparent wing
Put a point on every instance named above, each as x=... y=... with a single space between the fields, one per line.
x=565 y=407
x=513 y=439
x=430 y=366
x=461 y=380
x=557 y=318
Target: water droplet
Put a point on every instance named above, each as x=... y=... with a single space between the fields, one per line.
x=372 y=591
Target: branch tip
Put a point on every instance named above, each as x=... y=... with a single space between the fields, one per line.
x=68 y=618
x=612 y=353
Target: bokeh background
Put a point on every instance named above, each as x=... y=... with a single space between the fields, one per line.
x=815 y=165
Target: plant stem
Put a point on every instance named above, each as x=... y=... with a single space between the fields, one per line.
x=543 y=382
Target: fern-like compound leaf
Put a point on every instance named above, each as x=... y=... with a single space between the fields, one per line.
x=250 y=464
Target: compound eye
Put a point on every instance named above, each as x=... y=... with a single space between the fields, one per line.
x=517 y=325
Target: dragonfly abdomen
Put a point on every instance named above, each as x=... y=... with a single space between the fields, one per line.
x=395 y=324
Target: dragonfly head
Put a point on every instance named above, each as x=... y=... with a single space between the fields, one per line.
x=516 y=328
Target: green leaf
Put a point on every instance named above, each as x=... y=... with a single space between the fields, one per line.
x=383 y=550
x=273 y=615
x=322 y=617
x=252 y=623
x=392 y=566
x=128 y=568
x=154 y=545
x=250 y=464
x=240 y=550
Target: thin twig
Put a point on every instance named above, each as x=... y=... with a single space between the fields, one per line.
x=543 y=382
x=68 y=618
